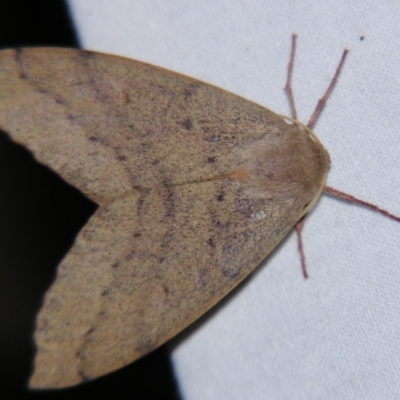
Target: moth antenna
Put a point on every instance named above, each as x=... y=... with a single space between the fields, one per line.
x=298 y=228
x=322 y=101
x=288 y=86
x=351 y=199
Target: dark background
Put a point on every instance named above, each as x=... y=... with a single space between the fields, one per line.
x=40 y=216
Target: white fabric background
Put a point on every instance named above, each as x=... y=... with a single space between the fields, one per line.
x=280 y=337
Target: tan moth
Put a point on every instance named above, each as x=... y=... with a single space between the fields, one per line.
x=195 y=187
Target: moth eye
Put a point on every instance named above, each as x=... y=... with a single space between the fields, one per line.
x=312 y=136
x=288 y=120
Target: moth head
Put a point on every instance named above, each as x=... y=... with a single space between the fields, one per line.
x=288 y=163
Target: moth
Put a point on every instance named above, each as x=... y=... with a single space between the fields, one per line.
x=195 y=187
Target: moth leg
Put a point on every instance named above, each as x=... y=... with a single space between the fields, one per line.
x=343 y=196
x=288 y=86
x=322 y=101
x=299 y=228
x=351 y=199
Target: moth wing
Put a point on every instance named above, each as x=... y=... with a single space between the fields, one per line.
x=143 y=268
x=107 y=124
